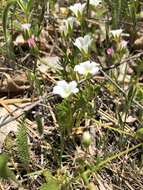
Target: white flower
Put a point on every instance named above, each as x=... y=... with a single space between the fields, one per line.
x=83 y=43
x=25 y=26
x=64 y=29
x=67 y=25
x=77 y=9
x=95 y=2
x=87 y=67
x=42 y=68
x=69 y=22
x=116 y=33
x=65 y=89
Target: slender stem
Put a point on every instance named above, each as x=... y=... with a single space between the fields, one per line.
x=109 y=159
x=121 y=90
x=87 y=8
x=131 y=134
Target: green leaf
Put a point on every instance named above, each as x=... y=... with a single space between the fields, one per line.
x=65 y=117
x=29 y=6
x=51 y=185
x=131 y=92
x=51 y=182
x=22 y=5
x=5 y=172
x=22 y=144
x=39 y=122
x=5 y=16
x=139 y=134
x=3 y=165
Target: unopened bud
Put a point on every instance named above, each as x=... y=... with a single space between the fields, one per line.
x=86 y=139
x=91 y=186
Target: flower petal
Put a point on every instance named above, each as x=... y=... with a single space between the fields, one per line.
x=62 y=84
x=57 y=90
x=87 y=67
x=72 y=85
x=76 y=90
x=64 y=89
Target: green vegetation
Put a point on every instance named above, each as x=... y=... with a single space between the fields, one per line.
x=71 y=82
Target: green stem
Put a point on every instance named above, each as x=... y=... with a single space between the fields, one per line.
x=115 y=129
x=69 y=127
x=87 y=8
x=104 y=162
x=109 y=159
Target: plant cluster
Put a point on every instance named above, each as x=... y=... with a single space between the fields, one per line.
x=97 y=117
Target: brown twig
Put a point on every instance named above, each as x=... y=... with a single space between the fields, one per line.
x=134 y=57
x=24 y=109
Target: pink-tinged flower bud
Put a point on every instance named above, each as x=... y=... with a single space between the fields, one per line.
x=110 y=51
x=31 y=42
x=123 y=44
x=26 y=26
